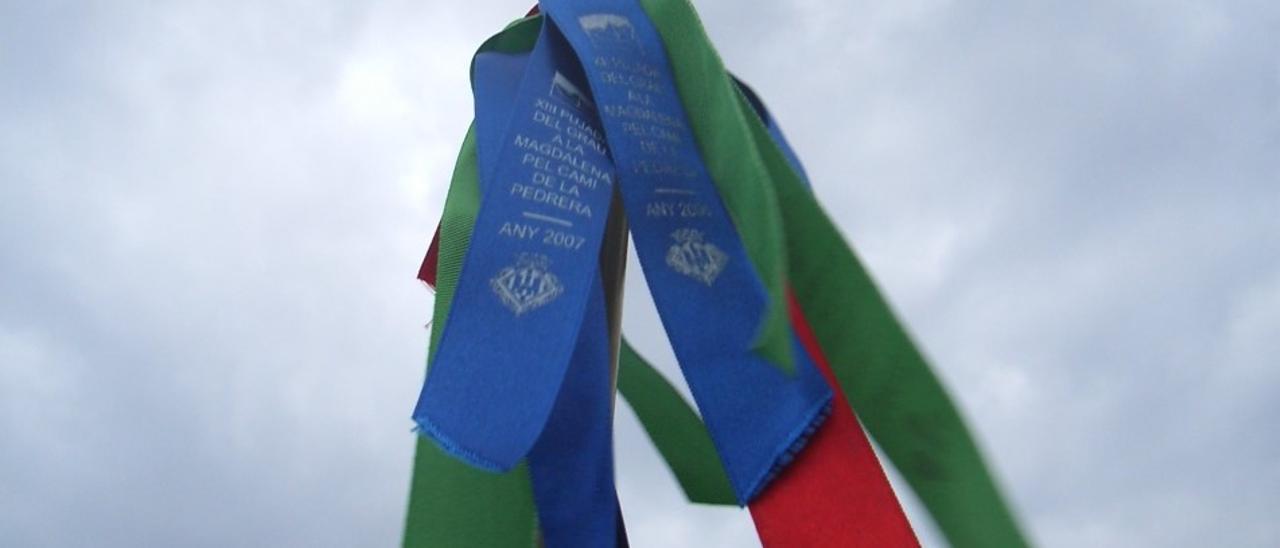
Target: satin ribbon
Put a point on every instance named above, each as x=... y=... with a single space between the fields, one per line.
x=835 y=494
x=706 y=290
x=484 y=406
x=453 y=504
x=884 y=377
x=964 y=500
x=526 y=280
x=571 y=464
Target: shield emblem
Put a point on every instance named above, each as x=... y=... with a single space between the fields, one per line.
x=694 y=257
x=526 y=285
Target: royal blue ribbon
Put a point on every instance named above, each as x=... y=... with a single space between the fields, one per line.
x=707 y=293
x=571 y=464
x=525 y=281
x=518 y=313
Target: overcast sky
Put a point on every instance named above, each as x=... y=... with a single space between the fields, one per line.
x=211 y=214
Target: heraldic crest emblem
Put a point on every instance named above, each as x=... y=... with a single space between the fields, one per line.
x=695 y=258
x=528 y=284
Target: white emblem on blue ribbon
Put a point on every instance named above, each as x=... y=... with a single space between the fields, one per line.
x=695 y=258
x=526 y=285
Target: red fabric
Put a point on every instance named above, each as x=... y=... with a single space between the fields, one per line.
x=431 y=263
x=835 y=493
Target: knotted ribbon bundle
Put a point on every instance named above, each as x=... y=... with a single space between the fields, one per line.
x=599 y=107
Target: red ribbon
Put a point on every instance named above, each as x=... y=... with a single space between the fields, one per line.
x=835 y=493
x=431 y=263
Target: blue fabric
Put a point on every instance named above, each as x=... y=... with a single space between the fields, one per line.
x=519 y=310
x=525 y=281
x=707 y=293
x=571 y=464
x=495 y=84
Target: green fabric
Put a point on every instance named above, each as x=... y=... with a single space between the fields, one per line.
x=788 y=235
x=888 y=382
x=885 y=378
x=675 y=429
x=451 y=503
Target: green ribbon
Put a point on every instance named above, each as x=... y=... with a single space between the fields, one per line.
x=790 y=239
x=675 y=429
x=885 y=378
x=451 y=503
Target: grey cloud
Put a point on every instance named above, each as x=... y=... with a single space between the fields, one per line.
x=211 y=213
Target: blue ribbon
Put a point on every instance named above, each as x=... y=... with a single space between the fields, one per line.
x=518 y=314
x=571 y=464
x=707 y=293
x=525 y=282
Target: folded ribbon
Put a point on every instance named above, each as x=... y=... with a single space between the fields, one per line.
x=571 y=464
x=706 y=290
x=490 y=386
x=527 y=277
x=880 y=371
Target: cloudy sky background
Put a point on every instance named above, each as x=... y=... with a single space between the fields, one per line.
x=211 y=214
